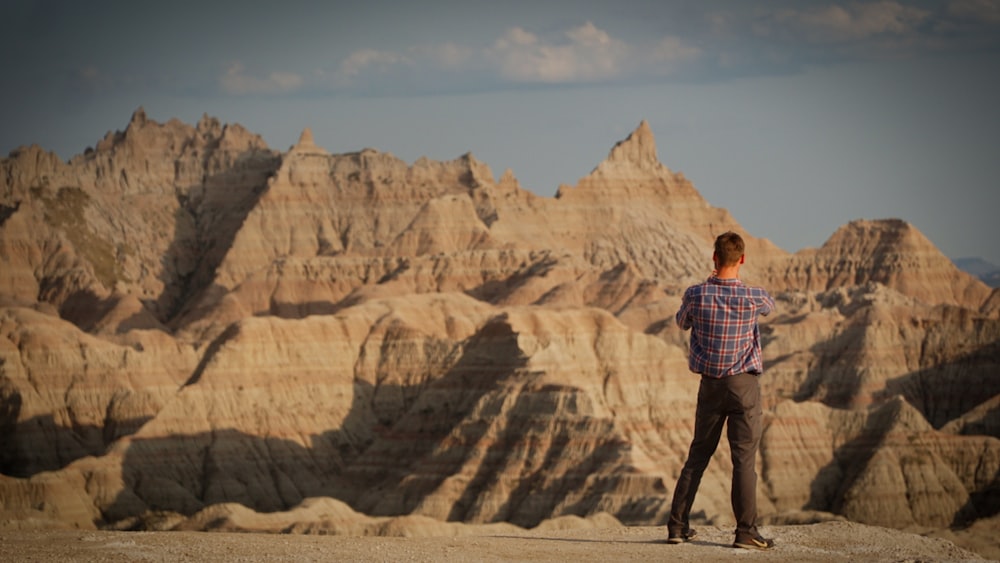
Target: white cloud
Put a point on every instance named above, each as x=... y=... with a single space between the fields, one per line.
x=588 y=34
x=236 y=82
x=365 y=63
x=590 y=54
x=515 y=36
x=838 y=23
x=585 y=53
x=364 y=59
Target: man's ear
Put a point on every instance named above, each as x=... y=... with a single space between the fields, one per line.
x=742 y=257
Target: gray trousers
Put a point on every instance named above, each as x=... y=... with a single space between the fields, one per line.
x=732 y=401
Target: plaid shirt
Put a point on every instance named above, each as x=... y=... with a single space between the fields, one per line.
x=722 y=316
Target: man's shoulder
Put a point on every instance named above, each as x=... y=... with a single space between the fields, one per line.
x=736 y=288
x=698 y=288
x=728 y=287
x=762 y=297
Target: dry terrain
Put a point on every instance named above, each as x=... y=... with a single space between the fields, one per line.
x=200 y=333
x=828 y=542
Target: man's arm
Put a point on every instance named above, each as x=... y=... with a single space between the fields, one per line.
x=683 y=316
x=765 y=304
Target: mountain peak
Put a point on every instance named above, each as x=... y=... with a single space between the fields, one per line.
x=306 y=144
x=638 y=148
x=891 y=252
x=138 y=117
x=208 y=125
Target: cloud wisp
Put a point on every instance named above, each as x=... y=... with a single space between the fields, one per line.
x=839 y=24
x=738 y=42
x=589 y=54
x=584 y=54
x=237 y=82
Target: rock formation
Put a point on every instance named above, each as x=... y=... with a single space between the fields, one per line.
x=888 y=252
x=193 y=325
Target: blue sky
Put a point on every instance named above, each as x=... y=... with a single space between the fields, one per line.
x=797 y=116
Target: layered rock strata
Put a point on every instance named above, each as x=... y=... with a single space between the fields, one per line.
x=191 y=320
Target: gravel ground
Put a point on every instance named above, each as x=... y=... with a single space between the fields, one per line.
x=829 y=541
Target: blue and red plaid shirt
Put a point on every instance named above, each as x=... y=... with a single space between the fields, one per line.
x=722 y=316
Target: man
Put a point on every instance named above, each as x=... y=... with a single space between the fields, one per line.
x=725 y=350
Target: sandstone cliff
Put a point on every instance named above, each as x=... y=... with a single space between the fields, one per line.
x=190 y=319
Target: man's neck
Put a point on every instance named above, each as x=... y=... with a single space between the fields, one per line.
x=728 y=273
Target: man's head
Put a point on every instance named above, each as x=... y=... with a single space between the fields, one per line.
x=728 y=249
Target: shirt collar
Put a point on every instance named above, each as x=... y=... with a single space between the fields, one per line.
x=727 y=281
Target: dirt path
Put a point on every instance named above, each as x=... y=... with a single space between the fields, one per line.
x=826 y=542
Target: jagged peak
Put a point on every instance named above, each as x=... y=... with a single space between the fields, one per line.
x=34 y=151
x=508 y=178
x=509 y=184
x=138 y=117
x=234 y=135
x=480 y=173
x=638 y=148
x=136 y=123
x=306 y=144
x=209 y=125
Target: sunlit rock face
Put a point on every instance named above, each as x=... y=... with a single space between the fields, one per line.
x=192 y=323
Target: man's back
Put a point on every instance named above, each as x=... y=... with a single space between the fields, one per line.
x=722 y=316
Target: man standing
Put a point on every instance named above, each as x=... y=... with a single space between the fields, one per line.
x=725 y=350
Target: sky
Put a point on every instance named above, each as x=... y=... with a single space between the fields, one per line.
x=796 y=116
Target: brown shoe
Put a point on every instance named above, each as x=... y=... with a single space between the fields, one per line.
x=752 y=540
x=681 y=536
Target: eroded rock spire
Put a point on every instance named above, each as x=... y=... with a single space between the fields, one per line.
x=638 y=148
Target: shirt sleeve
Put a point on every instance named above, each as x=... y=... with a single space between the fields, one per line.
x=683 y=317
x=765 y=303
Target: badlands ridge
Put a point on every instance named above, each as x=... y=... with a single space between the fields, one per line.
x=198 y=332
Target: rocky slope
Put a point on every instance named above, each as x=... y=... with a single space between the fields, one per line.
x=190 y=319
